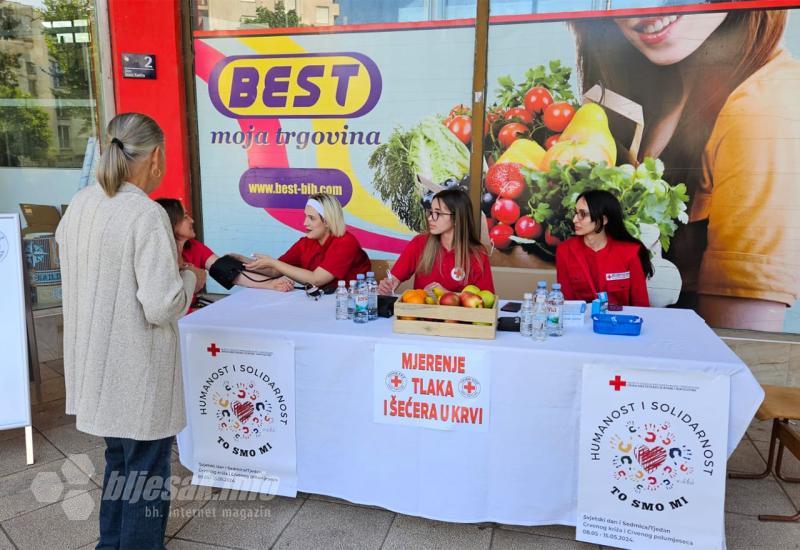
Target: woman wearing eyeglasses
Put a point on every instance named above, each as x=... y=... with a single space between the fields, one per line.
x=603 y=256
x=327 y=253
x=449 y=255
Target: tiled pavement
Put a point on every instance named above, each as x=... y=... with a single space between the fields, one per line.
x=68 y=473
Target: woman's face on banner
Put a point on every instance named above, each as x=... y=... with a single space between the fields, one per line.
x=314 y=224
x=669 y=39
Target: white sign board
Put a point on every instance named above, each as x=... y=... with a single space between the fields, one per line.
x=652 y=458
x=240 y=399
x=431 y=386
x=15 y=399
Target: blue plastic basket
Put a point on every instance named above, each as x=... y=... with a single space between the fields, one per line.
x=626 y=325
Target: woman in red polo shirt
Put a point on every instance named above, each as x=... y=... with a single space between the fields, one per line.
x=603 y=256
x=449 y=255
x=197 y=254
x=326 y=254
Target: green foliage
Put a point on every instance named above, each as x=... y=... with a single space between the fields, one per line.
x=278 y=18
x=429 y=149
x=644 y=195
x=554 y=77
x=24 y=131
x=71 y=61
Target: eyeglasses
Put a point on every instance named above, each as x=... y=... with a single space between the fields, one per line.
x=580 y=214
x=434 y=214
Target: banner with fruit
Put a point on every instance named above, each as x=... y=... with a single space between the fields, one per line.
x=430 y=386
x=282 y=117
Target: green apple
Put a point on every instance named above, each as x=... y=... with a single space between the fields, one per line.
x=472 y=288
x=488 y=298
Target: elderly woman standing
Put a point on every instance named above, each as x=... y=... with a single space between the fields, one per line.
x=123 y=293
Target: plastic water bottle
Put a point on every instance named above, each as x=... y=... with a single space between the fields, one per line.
x=342 y=297
x=526 y=315
x=351 y=300
x=555 y=310
x=540 y=312
x=361 y=300
x=372 y=295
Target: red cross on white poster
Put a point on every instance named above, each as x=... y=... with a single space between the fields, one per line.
x=431 y=386
x=652 y=458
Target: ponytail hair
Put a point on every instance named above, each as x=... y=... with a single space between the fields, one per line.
x=131 y=136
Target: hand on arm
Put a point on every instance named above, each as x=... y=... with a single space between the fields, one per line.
x=319 y=277
x=261 y=264
x=199 y=274
x=281 y=284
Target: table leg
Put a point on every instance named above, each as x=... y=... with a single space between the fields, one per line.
x=770 y=459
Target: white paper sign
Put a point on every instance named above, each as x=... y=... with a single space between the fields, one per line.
x=652 y=458
x=240 y=408
x=431 y=386
x=15 y=408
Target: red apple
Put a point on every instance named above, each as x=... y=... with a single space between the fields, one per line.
x=468 y=299
x=449 y=299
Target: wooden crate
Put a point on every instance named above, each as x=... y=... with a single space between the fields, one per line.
x=437 y=326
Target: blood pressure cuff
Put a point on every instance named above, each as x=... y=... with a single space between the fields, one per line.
x=225 y=270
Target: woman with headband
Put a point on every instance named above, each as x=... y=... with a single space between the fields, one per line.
x=327 y=253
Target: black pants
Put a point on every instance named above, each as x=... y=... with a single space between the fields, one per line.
x=135 y=505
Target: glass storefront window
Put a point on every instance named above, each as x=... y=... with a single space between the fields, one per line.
x=48 y=116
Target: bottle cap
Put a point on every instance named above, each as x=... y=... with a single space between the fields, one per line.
x=352 y=281
x=341 y=283
x=360 y=276
x=556 y=286
x=602 y=296
x=370 y=273
x=528 y=296
x=542 y=284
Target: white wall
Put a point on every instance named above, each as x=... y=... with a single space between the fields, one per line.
x=54 y=186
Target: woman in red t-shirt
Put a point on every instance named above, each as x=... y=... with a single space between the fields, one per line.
x=327 y=252
x=603 y=256
x=449 y=255
x=197 y=254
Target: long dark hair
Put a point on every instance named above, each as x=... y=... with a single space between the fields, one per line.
x=741 y=45
x=466 y=241
x=174 y=208
x=604 y=204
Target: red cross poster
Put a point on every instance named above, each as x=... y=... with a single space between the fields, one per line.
x=653 y=451
x=432 y=386
x=239 y=391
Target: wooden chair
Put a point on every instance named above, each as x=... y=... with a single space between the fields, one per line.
x=780 y=405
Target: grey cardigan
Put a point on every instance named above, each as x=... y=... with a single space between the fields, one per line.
x=122 y=297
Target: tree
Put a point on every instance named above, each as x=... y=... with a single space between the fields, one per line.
x=24 y=130
x=71 y=64
x=278 y=18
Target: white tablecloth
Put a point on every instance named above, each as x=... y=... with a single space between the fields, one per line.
x=522 y=471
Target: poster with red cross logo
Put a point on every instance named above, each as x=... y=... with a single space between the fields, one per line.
x=432 y=386
x=653 y=452
x=239 y=390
